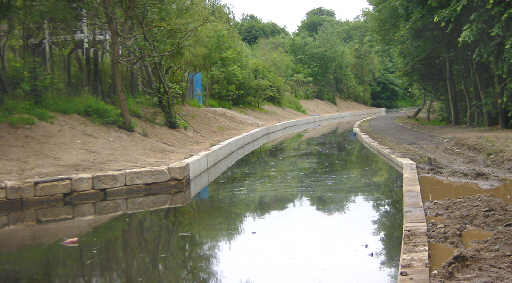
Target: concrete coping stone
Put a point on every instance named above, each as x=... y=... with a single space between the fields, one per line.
x=414 y=266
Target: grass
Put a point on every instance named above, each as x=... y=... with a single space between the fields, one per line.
x=219 y=103
x=193 y=103
x=293 y=103
x=17 y=112
x=424 y=122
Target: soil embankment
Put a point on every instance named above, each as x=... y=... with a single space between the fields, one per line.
x=467 y=193
x=72 y=144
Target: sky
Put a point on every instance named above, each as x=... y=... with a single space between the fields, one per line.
x=290 y=13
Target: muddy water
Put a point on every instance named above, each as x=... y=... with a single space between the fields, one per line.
x=433 y=188
x=474 y=235
x=317 y=209
x=439 y=254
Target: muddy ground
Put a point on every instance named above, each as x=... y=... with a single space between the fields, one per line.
x=465 y=178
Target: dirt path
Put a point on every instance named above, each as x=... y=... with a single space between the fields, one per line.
x=73 y=144
x=461 y=154
x=466 y=191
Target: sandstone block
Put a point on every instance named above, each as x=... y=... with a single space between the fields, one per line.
x=2 y=190
x=125 y=192
x=84 y=210
x=148 y=202
x=4 y=221
x=15 y=190
x=22 y=217
x=84 y=197
x=164 y=188
x=178 y=170
x=53 y=188
x=81 y=182
x=9 y=205
x=55 y=214
x=110 y=206
x=146 y=176
x=43 y=202
x=180 y=199
x=108 y=180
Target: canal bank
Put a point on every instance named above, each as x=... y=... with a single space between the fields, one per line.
x=414 y=262
x=108 y=193
x=319 y=202
x=466 y=189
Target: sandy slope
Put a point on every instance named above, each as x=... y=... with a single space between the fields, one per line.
x=72 y=144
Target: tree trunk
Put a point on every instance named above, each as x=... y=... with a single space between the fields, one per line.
x=468 y=105
x=87 y=75
x=482 y=97
x=418 y=111
x=500 y=99
x=449 y=87
x=95 y=72
x=69 y=64
x=46 y=43
x=114 y=60
x=429 y=108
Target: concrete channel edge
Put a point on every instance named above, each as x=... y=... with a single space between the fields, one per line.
x=117 y=192
x=414 y=264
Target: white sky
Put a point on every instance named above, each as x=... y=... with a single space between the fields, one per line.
x=290 y=13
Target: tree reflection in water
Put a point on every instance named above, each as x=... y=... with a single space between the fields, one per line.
x=181 y=244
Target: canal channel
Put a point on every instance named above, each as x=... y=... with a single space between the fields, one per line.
x=317 y=206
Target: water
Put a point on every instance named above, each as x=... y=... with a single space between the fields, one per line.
x=306 y=209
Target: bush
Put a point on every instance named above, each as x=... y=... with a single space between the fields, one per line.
x=88 y=106
x=293 y=103
x=193 y=103
x=19 y=112
x=20 y=120
x=215 y=103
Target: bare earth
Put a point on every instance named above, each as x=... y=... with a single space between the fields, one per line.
x=468 y=201
x=72 y=144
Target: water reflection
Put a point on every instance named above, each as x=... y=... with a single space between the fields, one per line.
x=301 y=210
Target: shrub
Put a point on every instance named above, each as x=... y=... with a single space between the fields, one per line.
x=293 y=103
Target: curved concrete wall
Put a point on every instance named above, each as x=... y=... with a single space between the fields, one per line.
x=414 y=266
x=104 y=193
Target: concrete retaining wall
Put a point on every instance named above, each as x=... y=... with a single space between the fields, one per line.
x=83 y=195
x=414 y=266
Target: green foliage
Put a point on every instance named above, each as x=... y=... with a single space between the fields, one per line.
x=293 y=103
x=252 y=29
x=88 y=106
x=20 y=120
x=458 y=51
x=193 y=103
x=214 y=103
x=433 y=122
x=21 y=112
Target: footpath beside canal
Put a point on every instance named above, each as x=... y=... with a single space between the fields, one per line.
x=465 y=176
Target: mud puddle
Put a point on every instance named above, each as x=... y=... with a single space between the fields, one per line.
x=433 y=188
x=473 y=234
x=439 y=254
x=469 y=231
